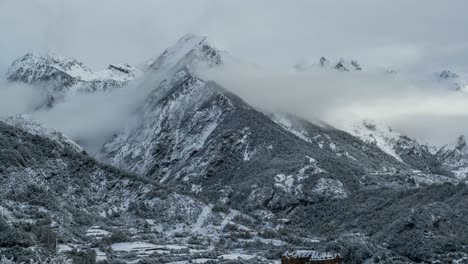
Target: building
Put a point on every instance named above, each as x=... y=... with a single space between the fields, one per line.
x=310 y=257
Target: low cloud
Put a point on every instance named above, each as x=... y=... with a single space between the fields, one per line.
x=18 y=98
x=92 y=118
x=428 y=111
x=88 y=118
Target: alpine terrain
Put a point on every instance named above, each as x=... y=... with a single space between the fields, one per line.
x=200 y=176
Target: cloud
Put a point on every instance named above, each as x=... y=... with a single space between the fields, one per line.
x=88 y=118
x=18 y=98
x=92 y=118
x=425 y=110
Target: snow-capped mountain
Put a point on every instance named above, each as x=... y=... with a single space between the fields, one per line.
x=452 y=80
x=59 y=75
x=196 y=136
x=340 y=65
x=187 y=52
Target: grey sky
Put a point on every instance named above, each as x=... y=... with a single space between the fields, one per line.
x=399 y=34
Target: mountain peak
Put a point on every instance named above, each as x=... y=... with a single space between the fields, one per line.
x=188 y=50
x=33 y=67
x=63 y=75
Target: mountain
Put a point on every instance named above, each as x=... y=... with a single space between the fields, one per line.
x=452 y=80
x=59 y=75
x=340 y=65
x=197 y=137
x=55 y=199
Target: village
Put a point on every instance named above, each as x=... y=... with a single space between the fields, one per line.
x=310 y=257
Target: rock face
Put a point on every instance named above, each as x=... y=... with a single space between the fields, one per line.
x=60 y=76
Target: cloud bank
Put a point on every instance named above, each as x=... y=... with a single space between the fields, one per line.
x=18 y=98
x=427 y=111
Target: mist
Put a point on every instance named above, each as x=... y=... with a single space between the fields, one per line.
x=90 y=119
x=18 y=98
x=427 y=111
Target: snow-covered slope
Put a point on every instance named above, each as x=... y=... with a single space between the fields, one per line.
x=420 y=156
x=26 y=123
x=380 y=135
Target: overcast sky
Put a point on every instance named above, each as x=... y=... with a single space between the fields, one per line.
x=425 y=34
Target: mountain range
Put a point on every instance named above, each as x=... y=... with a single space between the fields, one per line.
x=201 y=176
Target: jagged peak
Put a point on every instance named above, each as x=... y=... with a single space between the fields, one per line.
x=340 y=65
x=32 y=66
x=345 y=65
x=446 y=74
